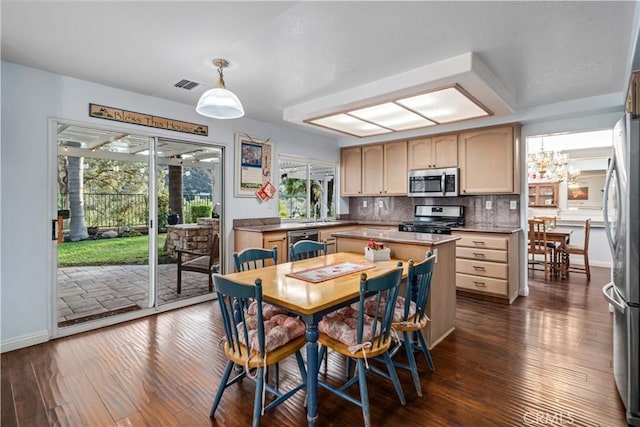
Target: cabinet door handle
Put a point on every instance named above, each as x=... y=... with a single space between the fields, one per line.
x=478 y=242
x=478 y=267
x=480 y=284
x=478 y=255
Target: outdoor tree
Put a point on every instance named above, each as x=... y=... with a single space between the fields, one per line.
x=75 y=187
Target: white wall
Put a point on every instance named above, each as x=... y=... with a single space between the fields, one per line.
x=30 y=98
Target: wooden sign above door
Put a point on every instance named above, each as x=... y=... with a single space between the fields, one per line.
x=118 y=115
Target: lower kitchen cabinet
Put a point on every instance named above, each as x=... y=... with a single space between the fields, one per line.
x=324 y=235
x=278 y=240
x=487 y=265
x=267 y=240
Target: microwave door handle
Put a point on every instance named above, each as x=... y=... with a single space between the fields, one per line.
x=607 y=188
x=443 y=181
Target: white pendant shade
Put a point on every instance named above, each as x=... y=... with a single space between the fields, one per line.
x=220 y=103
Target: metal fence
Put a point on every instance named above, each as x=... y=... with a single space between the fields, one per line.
x=111 y=210
x=123 y=210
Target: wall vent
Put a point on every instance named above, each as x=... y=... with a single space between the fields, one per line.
x=186 y=84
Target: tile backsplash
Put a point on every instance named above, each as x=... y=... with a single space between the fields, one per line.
x=399 y=209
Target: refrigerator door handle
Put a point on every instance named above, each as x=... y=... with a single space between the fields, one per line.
x=608 y=292
x=605 y=196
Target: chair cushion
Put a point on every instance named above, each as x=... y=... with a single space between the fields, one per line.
x=200 y=262
x=279 y=330
x=341 y=325
x=268 y=310
x=574 y=249
x=398 y=312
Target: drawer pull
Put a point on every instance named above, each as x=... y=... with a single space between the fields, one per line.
x=478 y=267
x=478 y=242
x=480 y=284
x=478 y=255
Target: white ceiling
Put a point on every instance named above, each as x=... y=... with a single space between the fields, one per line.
x=287 y=53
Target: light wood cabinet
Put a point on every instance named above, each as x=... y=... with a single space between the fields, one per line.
x=324 y=235
x=487 y=264
x=440 y=151
x=488 y=161
x=374 y=170
x=244 y=239
x=543 y=195
x=351 y=171
x=279 y=240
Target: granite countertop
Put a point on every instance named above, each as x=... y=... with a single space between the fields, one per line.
x=287 y=226
x=487 y=228
x=398 y=237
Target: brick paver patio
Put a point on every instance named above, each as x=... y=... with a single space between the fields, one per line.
x=96 y=291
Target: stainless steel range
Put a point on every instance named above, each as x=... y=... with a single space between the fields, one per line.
x=434 y=219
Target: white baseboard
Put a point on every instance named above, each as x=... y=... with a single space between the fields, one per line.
x=24 y=341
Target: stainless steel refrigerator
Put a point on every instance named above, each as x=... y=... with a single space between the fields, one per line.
x=622 y=224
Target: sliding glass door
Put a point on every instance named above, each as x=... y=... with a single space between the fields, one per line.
x=189 y=205
x=136 y=222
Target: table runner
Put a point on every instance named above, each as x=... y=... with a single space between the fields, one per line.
x=328 y=272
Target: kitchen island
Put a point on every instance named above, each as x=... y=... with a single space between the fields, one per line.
x=441 y=307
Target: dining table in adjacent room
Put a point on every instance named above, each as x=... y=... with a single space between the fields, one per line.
x=562 y=236
x=312 y=288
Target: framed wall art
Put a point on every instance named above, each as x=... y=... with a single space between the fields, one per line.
x=254 y=165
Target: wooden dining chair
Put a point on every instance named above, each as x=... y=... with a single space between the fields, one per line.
x=203 y=263
x=360 y=337
x=580 y=250
x=255 y=343
x=410 y=316
x=550 y=222
x=304 y=249
x=538 y=245
x=252 y=258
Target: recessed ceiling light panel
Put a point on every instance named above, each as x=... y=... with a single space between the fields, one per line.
x=444 y=106
x=350 y=125
x=393 y=116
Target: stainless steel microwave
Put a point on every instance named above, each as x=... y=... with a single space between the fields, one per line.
x=433 y=182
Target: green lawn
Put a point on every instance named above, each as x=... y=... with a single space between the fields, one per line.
x=116 y=251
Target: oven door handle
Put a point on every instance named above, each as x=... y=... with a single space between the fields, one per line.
x=443 y=181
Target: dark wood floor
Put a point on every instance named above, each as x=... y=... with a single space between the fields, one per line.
x=545 y=360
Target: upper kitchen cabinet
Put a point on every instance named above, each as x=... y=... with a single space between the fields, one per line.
x=488 y=161
x=351 y=171
x=395 y=169
x=440 y=151
x=374 y=170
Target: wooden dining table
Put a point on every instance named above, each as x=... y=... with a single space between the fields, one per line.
x=560 y=235
x=311 y=300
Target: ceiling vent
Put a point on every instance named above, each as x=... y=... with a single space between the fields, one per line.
x=186 y=84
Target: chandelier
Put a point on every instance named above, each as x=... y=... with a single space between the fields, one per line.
x=547 y=165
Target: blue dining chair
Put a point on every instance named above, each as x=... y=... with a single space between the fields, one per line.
x=369 y=339
x=252 y=258
x=414 y=317
x=247 y=353
x=304 y=249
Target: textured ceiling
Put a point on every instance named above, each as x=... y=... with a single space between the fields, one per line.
x=285 y=53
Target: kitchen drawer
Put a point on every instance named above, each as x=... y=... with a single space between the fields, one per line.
x=482 y=268
x=481 y=254
x=483 y=284
x=482 y=241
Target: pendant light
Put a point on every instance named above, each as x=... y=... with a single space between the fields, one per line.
x=220 y=103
